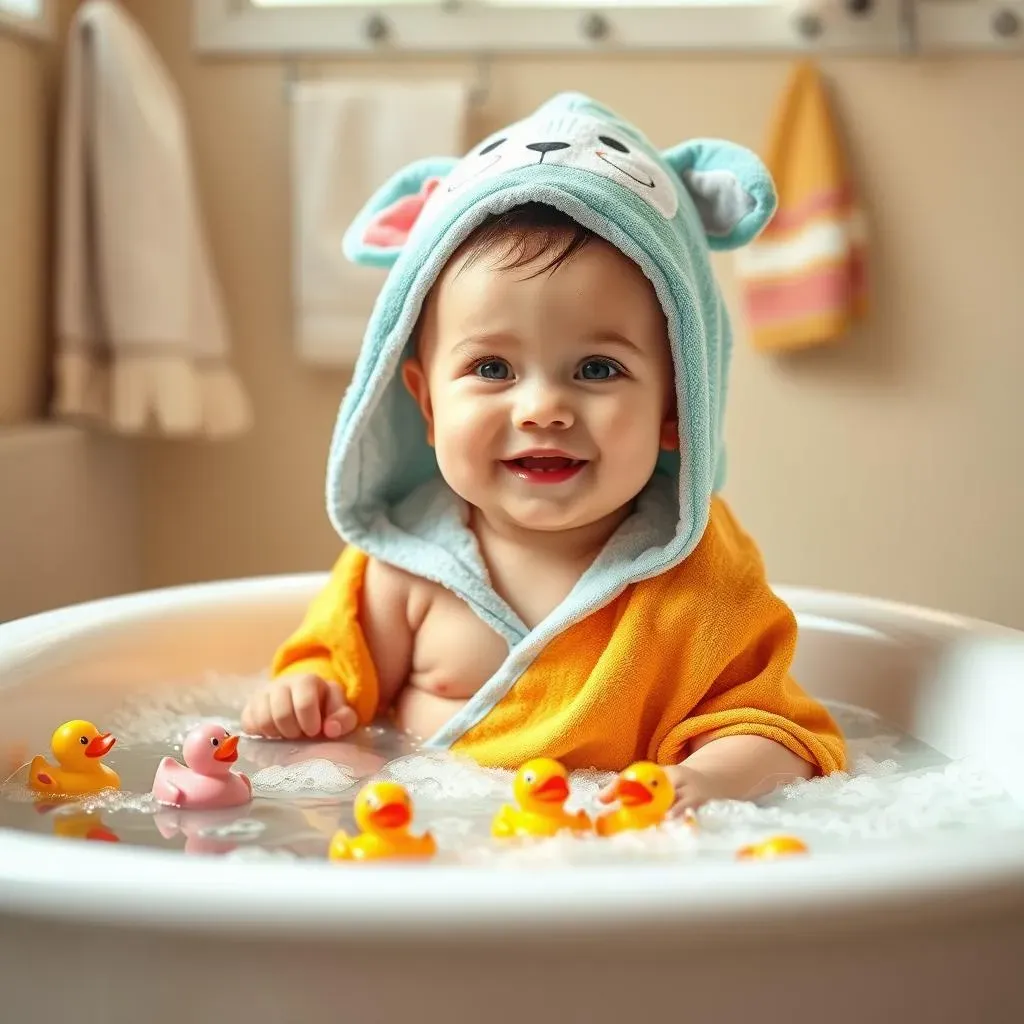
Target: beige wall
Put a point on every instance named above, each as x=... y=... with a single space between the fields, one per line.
x=69 y=504
x=888 y=465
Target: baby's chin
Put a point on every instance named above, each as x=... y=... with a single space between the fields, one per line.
x=541 y=517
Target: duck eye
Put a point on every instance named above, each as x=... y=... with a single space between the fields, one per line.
x=84 y=740
x=490 y=147
x=613 y=143
x=215 y=741
x=530 y=777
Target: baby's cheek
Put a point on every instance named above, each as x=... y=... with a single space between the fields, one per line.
x=630 y=430
x=461 y=456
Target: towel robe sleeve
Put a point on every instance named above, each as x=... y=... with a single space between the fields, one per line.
x=754 y=694
x=330 y=642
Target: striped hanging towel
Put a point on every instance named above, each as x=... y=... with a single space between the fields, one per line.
x=803 y=279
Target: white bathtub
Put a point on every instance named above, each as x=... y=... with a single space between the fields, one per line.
x=94 y=932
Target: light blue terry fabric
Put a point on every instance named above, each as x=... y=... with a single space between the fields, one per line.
x=666 y=210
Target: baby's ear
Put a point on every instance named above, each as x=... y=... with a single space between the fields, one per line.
x=730 y=186
x=381 y=229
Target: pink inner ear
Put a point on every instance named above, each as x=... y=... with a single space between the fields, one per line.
x=390 y=228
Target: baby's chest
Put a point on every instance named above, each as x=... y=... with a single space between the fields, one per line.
x=454 y=652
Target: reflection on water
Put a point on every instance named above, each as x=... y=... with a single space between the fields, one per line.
x=298 y=808
x=303 y=792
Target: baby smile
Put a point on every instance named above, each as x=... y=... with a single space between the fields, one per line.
x=544 y=466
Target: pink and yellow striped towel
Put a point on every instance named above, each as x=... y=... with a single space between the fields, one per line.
x=803 y=279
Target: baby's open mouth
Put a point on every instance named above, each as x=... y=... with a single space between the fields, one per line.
x=544 y=468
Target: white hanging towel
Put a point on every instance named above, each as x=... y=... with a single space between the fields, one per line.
x=348 y=138
x=142 y=338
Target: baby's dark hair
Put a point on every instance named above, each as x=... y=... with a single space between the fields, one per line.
x=520 y=236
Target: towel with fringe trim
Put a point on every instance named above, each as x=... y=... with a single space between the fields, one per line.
x=142 y=338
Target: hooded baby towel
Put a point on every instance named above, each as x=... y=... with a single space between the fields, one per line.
x=673 y=631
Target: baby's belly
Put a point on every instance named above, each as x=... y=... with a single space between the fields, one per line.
x=454 y=654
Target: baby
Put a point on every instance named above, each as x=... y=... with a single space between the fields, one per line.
x=526 y=472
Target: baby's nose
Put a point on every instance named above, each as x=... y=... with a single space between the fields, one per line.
x=543 y=408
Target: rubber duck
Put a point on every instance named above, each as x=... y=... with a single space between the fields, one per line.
x=383 y=812
x=777 y=846
x=78 y=747
x=205 y=781
x=540 y=788
x=645 y=794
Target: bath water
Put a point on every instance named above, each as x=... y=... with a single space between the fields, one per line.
x=897 y=787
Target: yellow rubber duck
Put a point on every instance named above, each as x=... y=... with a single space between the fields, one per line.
x=383 y=812
x=78 y=747
x=540 y=788
x=777 y=846
x=645 y=794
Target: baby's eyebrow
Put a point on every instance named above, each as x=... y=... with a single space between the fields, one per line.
x=613 y=338
x=475 y=342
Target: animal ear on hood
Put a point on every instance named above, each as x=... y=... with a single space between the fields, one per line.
x=730 y=186
x=380 y=230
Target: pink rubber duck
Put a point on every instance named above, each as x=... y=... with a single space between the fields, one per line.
x=207 y=783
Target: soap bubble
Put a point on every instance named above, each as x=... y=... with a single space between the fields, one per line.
x=118 y=800
x=887 y=804
x=443 y=776
x=316 y=777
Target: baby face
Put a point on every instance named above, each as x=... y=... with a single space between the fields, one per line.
x=548 y=395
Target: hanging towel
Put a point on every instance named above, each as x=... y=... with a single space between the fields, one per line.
x=803 y=279
x=347 y=137
x=142 y=340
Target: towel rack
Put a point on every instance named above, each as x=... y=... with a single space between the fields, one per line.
x=481 y=28
x=479 y=91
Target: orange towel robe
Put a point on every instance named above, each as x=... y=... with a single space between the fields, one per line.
x=704 y=649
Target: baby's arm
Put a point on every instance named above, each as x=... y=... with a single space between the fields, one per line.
x=347 y=660
x=734 y=768
x=387 y=628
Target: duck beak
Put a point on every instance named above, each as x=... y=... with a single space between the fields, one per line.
x=633 y=794
x=99 y=746
x=391 y=816
x=553 y=790
x=227 y=751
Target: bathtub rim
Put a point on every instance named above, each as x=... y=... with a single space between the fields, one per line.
x=41 y=877
x=20 y=636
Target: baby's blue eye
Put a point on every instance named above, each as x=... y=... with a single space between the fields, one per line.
x=494 y=369
x=599 y=369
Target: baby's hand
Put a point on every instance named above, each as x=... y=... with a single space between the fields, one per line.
x=692 y=788
x=293 y=707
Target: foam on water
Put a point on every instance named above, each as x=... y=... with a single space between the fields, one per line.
x=897 y=788
x=318 y=777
